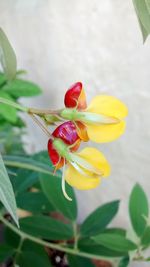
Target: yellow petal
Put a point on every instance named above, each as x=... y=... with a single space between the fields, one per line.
x=78 y=180
x=95 y=158
x=109 y=106
x=106 y=132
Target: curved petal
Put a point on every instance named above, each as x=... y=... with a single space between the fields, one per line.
x=109 y=106
x=96 y=158
x=105 y=132
x=75 y=97
x=81 y=130
x=79 y=181
x=90 y=180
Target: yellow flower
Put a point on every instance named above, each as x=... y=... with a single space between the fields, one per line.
x=82 y=170
x=101 y=121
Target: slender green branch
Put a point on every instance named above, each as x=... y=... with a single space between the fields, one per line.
x=44 y=111
x=18 y=250
x=13 y=104
x=27 y=166
x=68 y=250
x=39 y=112
x=76 y=235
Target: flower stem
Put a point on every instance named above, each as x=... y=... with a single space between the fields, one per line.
x=39 y=112
x=18 y=250
x=13 y=104
x=43 y=111
x=43 y=128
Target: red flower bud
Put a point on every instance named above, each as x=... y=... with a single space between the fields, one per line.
x=75 y=97
x=54 y=156
x=68 y=134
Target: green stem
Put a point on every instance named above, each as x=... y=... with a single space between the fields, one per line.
x=39 y=112
x=68 y=250
x=76 y=235
x=27 y=166
x=13 y=104
x=42 y=112
x=18 y=250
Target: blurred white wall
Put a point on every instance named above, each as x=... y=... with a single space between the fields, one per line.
x=99 y=43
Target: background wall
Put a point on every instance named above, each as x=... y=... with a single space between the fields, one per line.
x=99 y=43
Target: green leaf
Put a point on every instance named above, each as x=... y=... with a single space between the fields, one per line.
x=23 y=180
x=115 y=242
x=97 y=221
x=7 y=112
x=27 y=163
x=148 y=5
x=51 y=187
x=118 y=231
x=7 y=56
x=2 y=79
x=142 y=9
x=11 y=238
x=75 y=261
x=46 y=227
x=124 y=262
x=143 y=30
x=90 y=246
x=6 y=192
x=138 y=208
x=29 y=258
x=20 y=88
x=33 y=255
x=5 y=252
x=35 y=202
x=146 y=237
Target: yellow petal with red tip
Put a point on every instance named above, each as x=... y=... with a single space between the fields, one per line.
x=90 y=180
x=109 y=106
x=105 y=132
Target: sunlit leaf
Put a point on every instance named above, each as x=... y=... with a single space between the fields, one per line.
x=6 y=192
x=142 y=9
x=7 y=56
x=148 y=5
x=7 y=112
x=145 y=33
x=2 y=79
x=20 y=88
